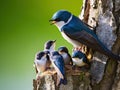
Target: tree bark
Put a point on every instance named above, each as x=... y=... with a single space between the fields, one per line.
x=104 y=74
x=76 y=80
x=105 y=16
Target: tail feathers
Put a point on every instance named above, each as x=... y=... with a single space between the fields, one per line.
x=113 y=56
x=63 y=81
x=103 y=49
x=109 y=53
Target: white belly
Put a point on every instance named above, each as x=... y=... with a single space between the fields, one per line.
x=41 y=65
x=66 y=58
x=78 y=62
x=73 y=42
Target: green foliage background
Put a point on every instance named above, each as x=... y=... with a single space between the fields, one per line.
x=24 y=28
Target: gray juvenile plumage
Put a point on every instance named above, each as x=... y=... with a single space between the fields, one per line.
x=65 y=54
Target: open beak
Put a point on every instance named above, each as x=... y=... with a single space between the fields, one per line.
x=52 y=22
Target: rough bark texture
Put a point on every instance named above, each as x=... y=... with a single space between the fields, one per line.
x=104 y=15
x=75 y=81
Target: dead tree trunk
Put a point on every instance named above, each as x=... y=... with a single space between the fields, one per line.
x=104 y=16
x=76 y=80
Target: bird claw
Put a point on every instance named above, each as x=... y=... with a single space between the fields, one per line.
x=77 y=48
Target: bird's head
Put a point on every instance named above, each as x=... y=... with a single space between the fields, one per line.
x=50 y=45
x=60 y=17
x=77 y=54
x=62 y=49
x=40 y=55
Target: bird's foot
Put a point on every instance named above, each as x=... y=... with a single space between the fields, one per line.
x=77 y=48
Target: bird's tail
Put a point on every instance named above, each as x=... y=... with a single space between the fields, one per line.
x=113 y=56
x=109 y=53
x=63 y=81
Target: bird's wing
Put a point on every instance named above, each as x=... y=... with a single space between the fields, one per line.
x=85 y=60
x=87 y=37
x=83 y=37
x=59 y=68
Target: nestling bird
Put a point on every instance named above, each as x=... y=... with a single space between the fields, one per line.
x=79 y=58
x=49 y=46
x=42 y=61
x=77 y=33
x=58 y=64
x=65 y=54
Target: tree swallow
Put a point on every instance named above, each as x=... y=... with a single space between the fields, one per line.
x=42 y=61
x=77 y=33
x=79 y=58
x=58 y=64
x=49 y=46
x=65 y=54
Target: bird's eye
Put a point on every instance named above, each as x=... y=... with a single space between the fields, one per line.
x=57 y=19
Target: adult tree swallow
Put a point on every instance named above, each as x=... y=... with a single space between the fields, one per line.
x=42 y=62
x=79 y=58
x=58 y=64
x=49 y=46
x=65 y=54
x=77 y=33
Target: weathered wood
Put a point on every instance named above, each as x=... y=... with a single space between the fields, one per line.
x=76 y=80
x=105 y=16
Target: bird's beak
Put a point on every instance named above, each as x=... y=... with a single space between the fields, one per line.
x=54 y=41
x=52 y=22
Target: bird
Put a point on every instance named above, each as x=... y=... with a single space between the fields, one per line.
x=76 y=32
x=65 y=54
x=49 y=46
x=79 y=58
x=58 y=64
x=42 y=62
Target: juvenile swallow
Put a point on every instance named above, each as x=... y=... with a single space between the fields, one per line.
x=58 y=64
x=65 y=54
x=79 y=58
x=49 y=46
x=42 y=62
x=76 y=32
